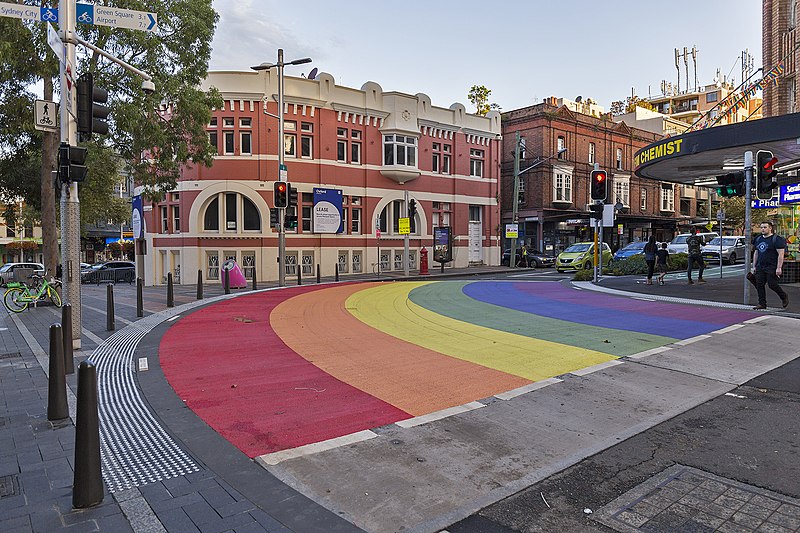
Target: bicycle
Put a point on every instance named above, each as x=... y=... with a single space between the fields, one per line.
x=18 y=295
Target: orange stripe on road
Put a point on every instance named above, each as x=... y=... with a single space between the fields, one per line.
x=318 y=327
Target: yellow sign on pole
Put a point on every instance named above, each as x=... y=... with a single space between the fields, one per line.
x=405 y=226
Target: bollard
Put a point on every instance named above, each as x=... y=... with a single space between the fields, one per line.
x=109 y=307
x=139 y=297
x=87 y=482
x=255 y=283
x=199 y=284
x=57 y=382
x=226 y=280
x=299 y=275
x=336 y=270
x=317 y=273
x=66 y=325
x=170 y=297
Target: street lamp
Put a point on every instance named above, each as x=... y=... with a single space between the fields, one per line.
x=281 y=153
x=515 y=203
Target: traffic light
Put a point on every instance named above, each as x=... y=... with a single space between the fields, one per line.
x=412 y=208
x=292 y=197
x=92 y=113
x=596 y=211
x=599 y=185
x=290 y=221
x=71 y=161
x=281 y=192
x=273 y=218
x=731 y=185
x=765 y=174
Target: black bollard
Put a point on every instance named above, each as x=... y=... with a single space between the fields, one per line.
x=336 y=269
x=110 y=307
x=199 y=284
x=66 y=337
x=139 y=297
x=170 y=297
x=299 y=275
x=442 y=266
x=57 y=382
x=87 y=482
x=317 y=273
x=226 y=280
x=255 y=282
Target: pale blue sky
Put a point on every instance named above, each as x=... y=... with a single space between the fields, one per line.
x=522 y=51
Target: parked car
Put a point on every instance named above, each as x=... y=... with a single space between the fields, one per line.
x=112 y=271
x=7 y=270
x=678 y=244
x=581 y=256
x=634 y=248
x=535 y=258
x=733 y=249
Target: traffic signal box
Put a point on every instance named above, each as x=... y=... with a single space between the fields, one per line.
x=412 y=208
x=292 y=197
x=92 y=111
x=281 y=193
x=731 y=185
x=71 y=163
x=599 y=185
x=596 y=211
x=765 y=174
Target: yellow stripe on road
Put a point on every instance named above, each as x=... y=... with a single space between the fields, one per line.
x=388 y=308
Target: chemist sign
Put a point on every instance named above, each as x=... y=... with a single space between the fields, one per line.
x=328 y=211
x=790 y=194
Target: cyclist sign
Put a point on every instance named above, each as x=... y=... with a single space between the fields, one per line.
x=116 y=17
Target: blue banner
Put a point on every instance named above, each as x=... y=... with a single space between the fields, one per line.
x=137 y=217
x=790 y=194
x=328 y=211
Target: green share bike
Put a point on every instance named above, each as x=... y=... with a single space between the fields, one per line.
x=18 y=295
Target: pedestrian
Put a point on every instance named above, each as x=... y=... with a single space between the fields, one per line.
x=524 y=259
x=650 y=257
x=662 y=256
x=768 y=264
x=694 y=244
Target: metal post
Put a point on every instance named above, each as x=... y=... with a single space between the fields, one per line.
x=281 y=155
x=299 y=275
x=226 y=280
x=87 y=481
x=66 y=342
x=139 y=298
x=406 y=236
x=57 y=381
x=600 y=250
x=170 y=294
x=70 y=208
x=336 y=271
x=594 y=263
x=318 y=278
x=748 y=230
x=199 y=284
x=512 y=259
x=110 y=307
x=255 y=281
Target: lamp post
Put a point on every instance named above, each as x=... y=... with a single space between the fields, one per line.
x=281 y=153
x=515 y=200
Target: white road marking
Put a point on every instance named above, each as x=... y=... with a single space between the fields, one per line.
x=274 y=458
x=595 y=368
x=527 y=388
x=438 y=415
x=690 y=340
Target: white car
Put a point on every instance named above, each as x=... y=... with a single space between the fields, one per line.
x=7 y=270
x=678 y=244
x=733 y=249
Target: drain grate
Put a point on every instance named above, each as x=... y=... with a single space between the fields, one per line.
x=682 y=498
x=9 y=486
x=10 y=355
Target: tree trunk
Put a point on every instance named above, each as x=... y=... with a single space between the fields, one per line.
x=49 y=230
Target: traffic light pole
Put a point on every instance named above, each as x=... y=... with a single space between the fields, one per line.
x=70 y=207
x=748 y=230
x=406 y=236
x=281 y=157
x=512 y=258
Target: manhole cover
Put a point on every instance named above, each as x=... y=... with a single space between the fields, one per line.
x=8 y=486
x=682 y=498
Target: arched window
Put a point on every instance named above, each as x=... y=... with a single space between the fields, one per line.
x=233 y=212
x=390 y=218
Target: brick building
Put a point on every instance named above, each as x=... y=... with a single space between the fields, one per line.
x=780 y=44
x=365 y=144
x=553 y=197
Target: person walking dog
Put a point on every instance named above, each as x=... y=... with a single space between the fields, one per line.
x=768 y=264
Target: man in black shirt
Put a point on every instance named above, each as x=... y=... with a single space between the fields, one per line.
x=768 y=264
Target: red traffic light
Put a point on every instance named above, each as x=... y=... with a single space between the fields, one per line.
x=280 y=191
x=599 y=190
x=280 y=187
x=599 y=176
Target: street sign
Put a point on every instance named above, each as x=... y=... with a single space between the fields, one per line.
x=765 y=204
x=31 y=13
x=283 y=173
x=45 y=115
x=512 y=231
x=720 y=214
x=116 y=17
x=404 y=225
x=790 y=194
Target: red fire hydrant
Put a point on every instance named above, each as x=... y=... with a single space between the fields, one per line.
x=423 y=262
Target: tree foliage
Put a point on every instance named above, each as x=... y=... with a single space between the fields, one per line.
x=629 y=105
x=479 y=97
x=734 y=214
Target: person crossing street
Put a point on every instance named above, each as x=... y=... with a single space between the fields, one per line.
x=768 y=264
x=694 y=245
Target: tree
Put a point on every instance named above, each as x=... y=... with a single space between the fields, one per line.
x=630 y=104
x=734 y=214
x=479 y=97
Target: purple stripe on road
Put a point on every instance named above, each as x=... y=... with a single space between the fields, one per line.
x=602 y=310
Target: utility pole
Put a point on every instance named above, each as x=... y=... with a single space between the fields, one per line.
x=512 y=259
x=281 y=163
x=748 y=230
x=70 y=207
x=406 y=236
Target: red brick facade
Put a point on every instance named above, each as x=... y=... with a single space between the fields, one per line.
x=780 y=43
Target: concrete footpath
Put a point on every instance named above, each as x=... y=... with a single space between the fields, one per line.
x=719 y=423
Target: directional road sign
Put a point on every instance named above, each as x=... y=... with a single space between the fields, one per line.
x=116 y=17
x=33 y=13
x=45 y=115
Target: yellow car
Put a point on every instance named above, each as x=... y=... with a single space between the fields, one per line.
x=581 y=256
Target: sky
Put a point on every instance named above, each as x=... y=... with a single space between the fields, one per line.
x=523 y=51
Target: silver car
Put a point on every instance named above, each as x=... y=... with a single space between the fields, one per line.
x=7 y=270
x=733 y=249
